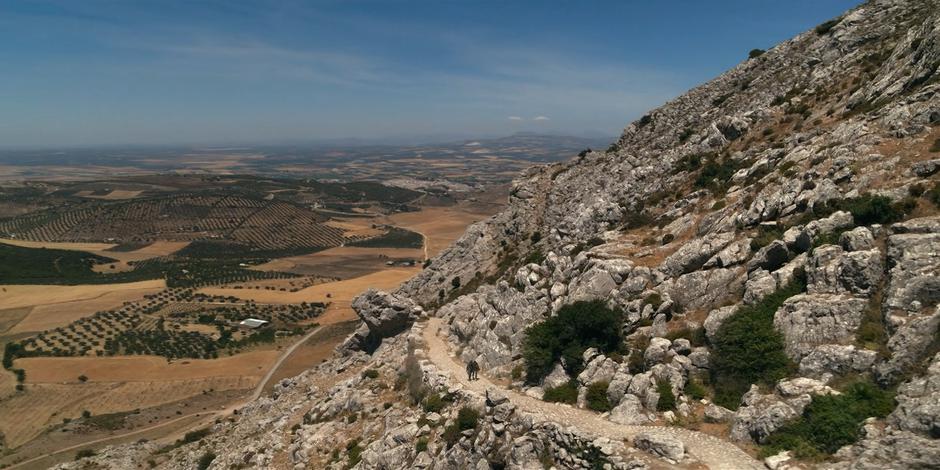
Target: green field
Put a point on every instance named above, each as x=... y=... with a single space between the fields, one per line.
x=20 y=265
x=395 y=238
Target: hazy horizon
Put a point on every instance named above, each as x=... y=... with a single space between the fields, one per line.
x=264 y=72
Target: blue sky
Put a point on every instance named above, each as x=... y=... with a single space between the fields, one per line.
x=228 y=71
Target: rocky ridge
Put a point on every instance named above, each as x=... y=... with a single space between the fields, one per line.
x=813 y=164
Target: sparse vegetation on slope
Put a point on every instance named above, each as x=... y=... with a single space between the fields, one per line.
x=747 y=348
x=567 y=335
x=831 y=421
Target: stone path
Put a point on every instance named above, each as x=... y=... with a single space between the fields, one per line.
x=711 y=451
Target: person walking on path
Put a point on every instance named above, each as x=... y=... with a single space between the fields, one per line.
x=472 y=369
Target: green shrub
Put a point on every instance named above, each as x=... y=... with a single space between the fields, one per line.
x=467 y=418
x=933 y=195
x=433 y=403
x=636 y=362
x=205 y=460
x=766 y=234
x=575 y=328
x=597 y=396
x=755 y=53
x=421 y=445
x=354 y=452
x=747 y=349
x=936 y=146
x=694 y=389
x=653 y=299
x=715 y=175
x=690 y=163
x=696 y=336
x=667 y=400
x=831 y=421
x=370 y=374
x=639 y=219
x=84 y=453
x=517 y=372
x=535 y=257
x=564 y=393
x=193 y=436
x=869 y=209
x=828 y=238
x=826 y=27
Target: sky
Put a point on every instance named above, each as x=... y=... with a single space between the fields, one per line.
x=113 y=72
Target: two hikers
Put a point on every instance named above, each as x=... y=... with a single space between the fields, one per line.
x=472 y=369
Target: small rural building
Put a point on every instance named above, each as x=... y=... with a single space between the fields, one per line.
x=252 y=323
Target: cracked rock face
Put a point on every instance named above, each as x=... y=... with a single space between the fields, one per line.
x=383 y=315
x=807 y=321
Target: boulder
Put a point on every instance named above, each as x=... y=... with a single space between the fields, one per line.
x=770 y=257
x=908 y=345
x=760 y=283
x=660 y=445
x=836 y=359
x=717 y=414
x=831 y=270
x=383 y=315
x=619 y=384
x=629 y=411
x=716 y=318
x=735 y=253
x=760 y=415
x=600 y=369
x=656 y=352
x=557 y=377
x=797 y=386
x=857 y=239
x=915 y=261
x=918 y=409
x=807 y=321
x=836 y=221
x=692 y=255
x=926 y=168
x=705 y=289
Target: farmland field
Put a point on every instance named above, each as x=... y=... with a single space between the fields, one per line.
x=123 y=297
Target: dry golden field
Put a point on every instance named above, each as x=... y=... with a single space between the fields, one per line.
x=143 y=368
x=54 y=306
x=153 y=250
x=342 y=262
x=441 y=226
x=339 y=292
x=27 y=414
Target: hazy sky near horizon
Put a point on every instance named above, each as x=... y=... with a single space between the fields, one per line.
x=265 y=71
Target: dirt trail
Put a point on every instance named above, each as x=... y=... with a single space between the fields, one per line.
x=711 y=451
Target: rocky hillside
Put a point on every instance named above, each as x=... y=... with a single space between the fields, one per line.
x=750 y=273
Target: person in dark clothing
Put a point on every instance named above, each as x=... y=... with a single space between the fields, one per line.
x=472 y=369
